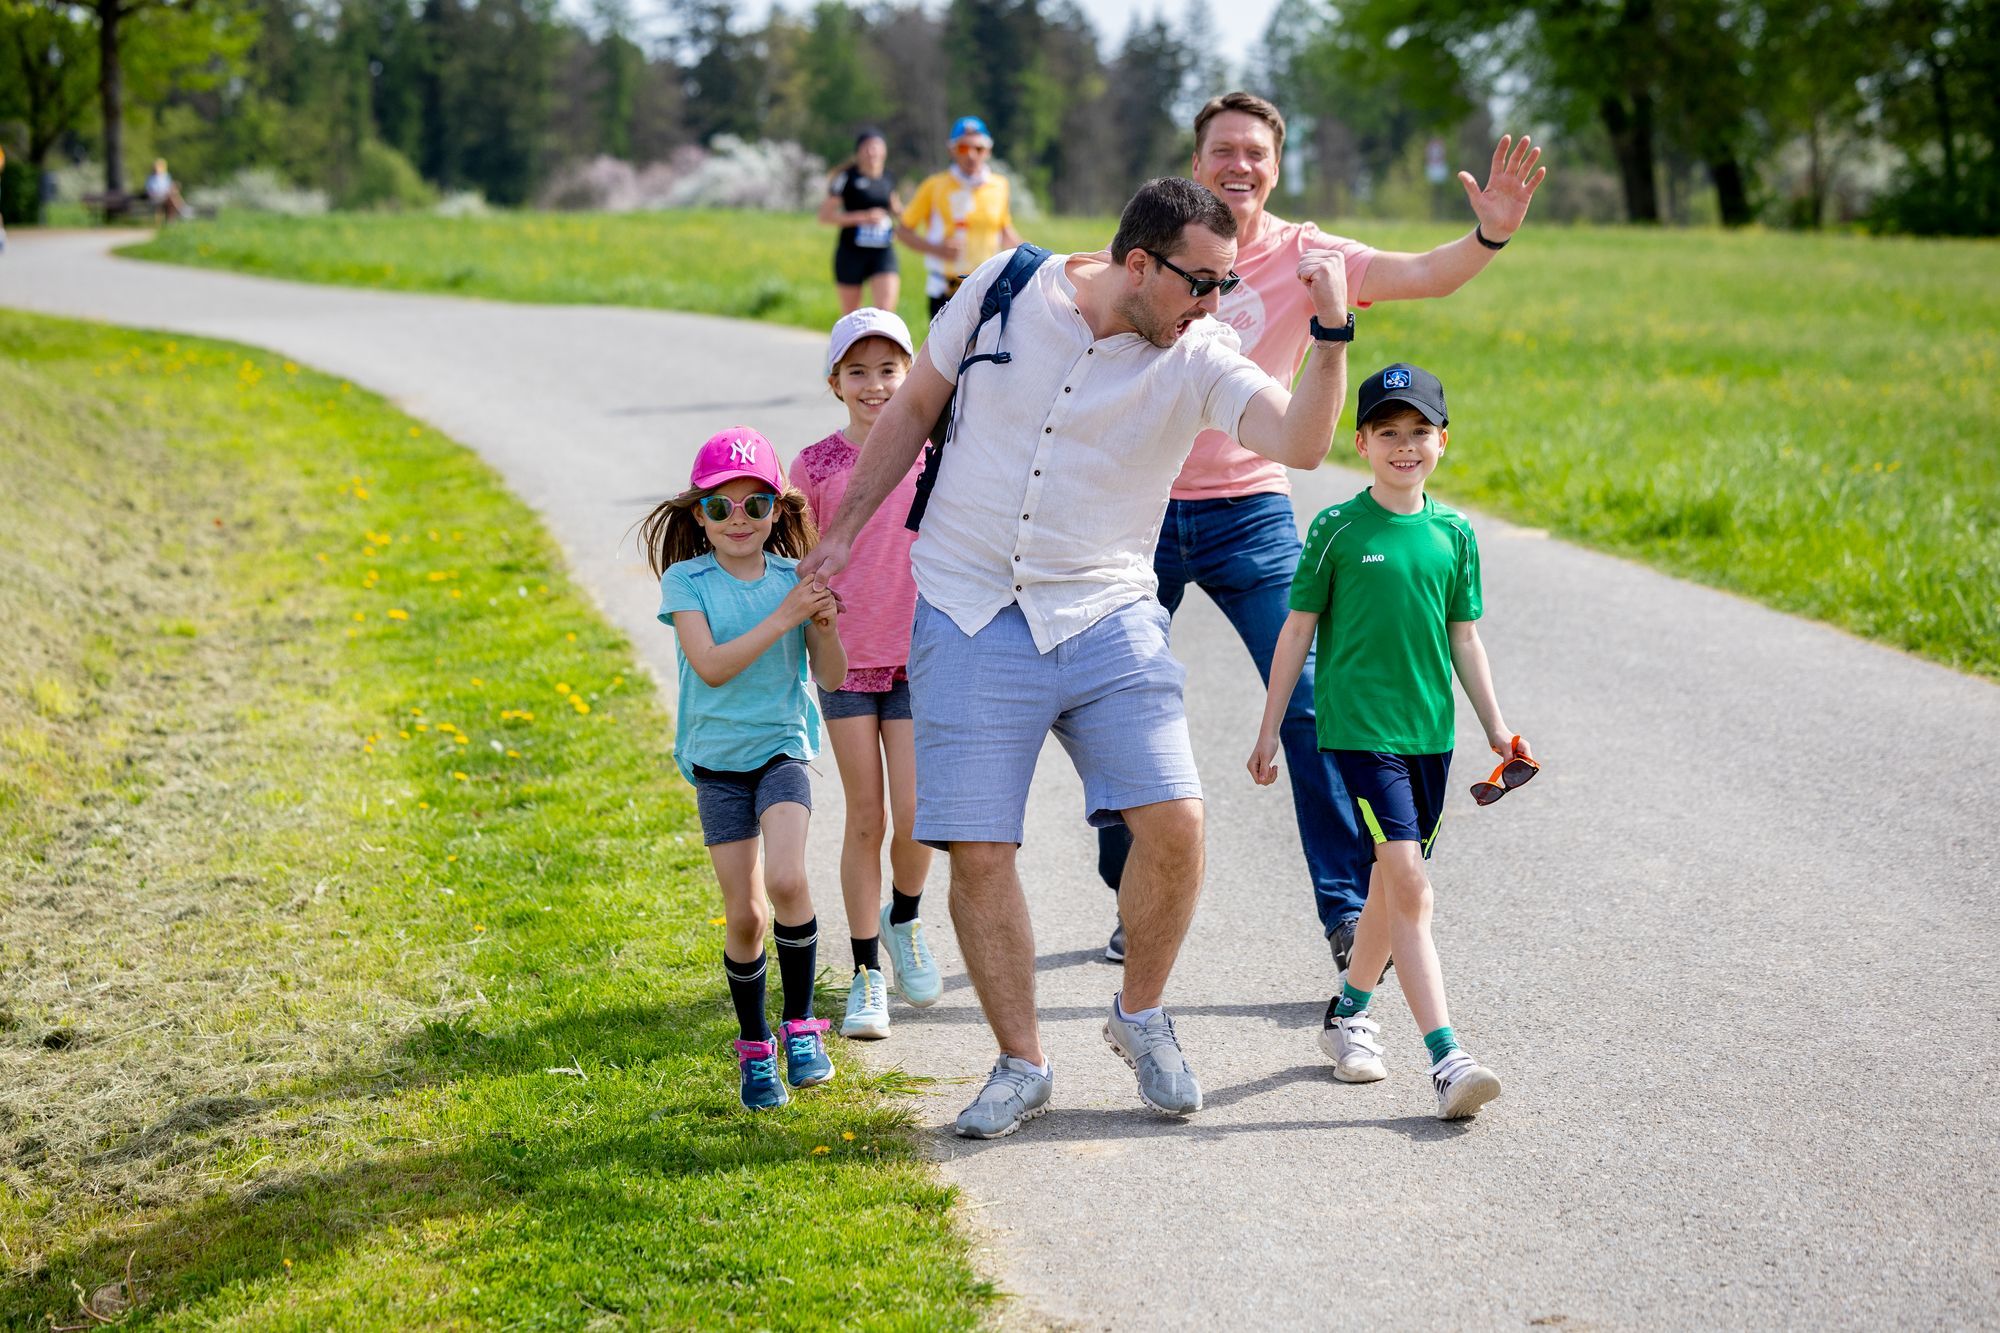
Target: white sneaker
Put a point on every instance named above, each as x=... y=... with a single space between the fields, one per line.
x=867 y=1007
x=1463 y=1085
x=1352 y=1045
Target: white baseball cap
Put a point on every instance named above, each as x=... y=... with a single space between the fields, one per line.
x=867 y=322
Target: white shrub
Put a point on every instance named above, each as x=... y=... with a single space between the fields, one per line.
x=462 y=204
x=736 y=174
x=259 y=190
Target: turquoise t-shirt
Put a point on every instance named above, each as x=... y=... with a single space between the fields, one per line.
x=768 y=708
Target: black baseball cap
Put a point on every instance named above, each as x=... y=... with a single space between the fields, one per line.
x=1403 y=385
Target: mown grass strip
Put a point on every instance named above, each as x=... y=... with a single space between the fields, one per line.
x=357 y=952
x=1806 y=420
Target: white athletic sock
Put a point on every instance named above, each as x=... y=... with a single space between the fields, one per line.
x=1143 y=1017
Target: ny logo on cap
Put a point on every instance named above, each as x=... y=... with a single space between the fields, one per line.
x=1395 y=379
x=743 y=451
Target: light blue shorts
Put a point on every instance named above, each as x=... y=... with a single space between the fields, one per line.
x=985 y=703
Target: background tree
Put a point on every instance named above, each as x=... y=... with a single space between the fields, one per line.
x=48 y=54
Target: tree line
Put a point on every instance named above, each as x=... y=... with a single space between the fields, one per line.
x=1722 y=109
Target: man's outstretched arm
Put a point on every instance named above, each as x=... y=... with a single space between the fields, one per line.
x=1501 y=207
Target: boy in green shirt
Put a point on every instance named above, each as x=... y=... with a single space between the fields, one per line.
x=1389 y=584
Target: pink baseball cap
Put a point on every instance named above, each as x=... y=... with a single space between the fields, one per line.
x=737 y=452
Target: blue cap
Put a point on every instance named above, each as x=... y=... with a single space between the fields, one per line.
x=965 y=125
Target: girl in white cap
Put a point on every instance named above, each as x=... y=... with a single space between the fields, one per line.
x=726 y=551
x=868 y=716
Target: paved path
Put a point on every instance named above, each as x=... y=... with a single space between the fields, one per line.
x=1736 y=954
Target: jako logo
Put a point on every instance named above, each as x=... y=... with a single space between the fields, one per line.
x=1395 y=379
x=1371 y=559
x=743 y=451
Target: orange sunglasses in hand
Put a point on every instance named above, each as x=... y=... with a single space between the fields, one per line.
x=1514 y=771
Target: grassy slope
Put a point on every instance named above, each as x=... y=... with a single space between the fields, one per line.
x=1808 y=420
x=313 y=1012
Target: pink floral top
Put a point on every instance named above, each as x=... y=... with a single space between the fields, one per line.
x=877 y=587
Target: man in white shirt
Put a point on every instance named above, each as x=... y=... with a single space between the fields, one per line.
x=1038 y=610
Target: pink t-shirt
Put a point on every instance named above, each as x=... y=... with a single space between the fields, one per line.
x=1270 y=313
x=879 y=592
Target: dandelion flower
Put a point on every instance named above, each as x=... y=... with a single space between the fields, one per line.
x=460 y=776
x=361 y=615
x=570 y=637
x=562 y=687
x=847 y=1135
x=617 y=681
x=513 y=754
x=416 y=431
x=461 y=738
x=423 y=805
x=404 y=734
x=820 y=1150
x=452 y=857
x=321 y=557
x=398 y=613
x=718 y=921
x=361 y=492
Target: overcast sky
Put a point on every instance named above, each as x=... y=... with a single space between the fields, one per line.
x=1241 y=22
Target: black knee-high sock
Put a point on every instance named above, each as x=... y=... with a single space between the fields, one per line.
x=903 y=906
x=746 y=992
x=798 y=954
x=867 y=953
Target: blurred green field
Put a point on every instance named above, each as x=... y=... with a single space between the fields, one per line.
x=1809 y=420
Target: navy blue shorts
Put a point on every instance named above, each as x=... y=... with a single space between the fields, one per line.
x=1400 y=797
x=731 y=804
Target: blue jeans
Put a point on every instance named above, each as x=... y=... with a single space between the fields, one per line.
x=1242 y=552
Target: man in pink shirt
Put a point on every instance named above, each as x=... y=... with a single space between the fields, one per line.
x=1229 y=527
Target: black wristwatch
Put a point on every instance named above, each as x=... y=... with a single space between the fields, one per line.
x=1344 y=334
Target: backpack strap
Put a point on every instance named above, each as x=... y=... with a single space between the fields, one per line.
x=998 y=300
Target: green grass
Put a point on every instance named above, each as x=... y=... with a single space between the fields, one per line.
x=1807 y=420
x=313 y=1014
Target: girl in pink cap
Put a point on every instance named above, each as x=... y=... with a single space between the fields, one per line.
x=868 y=714
x=726 y=550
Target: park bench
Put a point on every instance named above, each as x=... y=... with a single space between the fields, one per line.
x=118 y=206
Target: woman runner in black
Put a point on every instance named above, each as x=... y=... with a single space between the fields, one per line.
x=861 y=201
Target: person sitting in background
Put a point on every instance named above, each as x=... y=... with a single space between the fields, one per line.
x=163 y=194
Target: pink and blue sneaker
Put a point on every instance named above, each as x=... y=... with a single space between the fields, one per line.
x=806 y=1060
x=763 y=1090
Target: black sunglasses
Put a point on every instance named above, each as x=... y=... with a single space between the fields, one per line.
x=1200 y=287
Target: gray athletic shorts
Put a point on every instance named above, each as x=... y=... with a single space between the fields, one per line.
x=886 y=705
x=732 y=804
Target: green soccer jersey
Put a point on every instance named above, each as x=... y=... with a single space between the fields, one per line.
x=1384 y=586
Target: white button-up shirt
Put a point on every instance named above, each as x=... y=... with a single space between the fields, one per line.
x=1055 y=481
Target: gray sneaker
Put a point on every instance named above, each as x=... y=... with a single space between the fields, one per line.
x=1114 y=952
x=1165 y=1082
x=1015 y=1092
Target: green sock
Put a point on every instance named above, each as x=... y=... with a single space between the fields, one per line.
x=1352 y=1001
x=1441 y=1043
